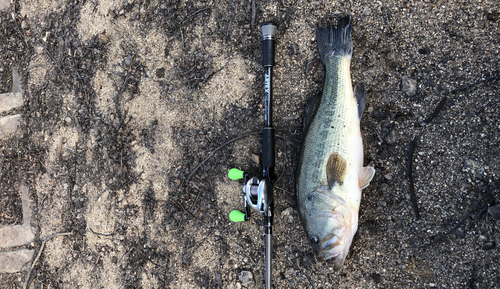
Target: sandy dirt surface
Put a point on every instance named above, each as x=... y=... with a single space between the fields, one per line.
x=124 y=99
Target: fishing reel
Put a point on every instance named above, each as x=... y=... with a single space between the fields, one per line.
x=257 y=195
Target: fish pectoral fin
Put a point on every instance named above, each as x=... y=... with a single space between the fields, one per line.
x=365 y=176
x=335 y=169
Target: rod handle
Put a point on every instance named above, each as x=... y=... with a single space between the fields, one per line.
x=268 y=33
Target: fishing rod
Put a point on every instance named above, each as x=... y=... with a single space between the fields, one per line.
x=258 y=193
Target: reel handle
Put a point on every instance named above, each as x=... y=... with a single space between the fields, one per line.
x=236 y=174
x=236 y=216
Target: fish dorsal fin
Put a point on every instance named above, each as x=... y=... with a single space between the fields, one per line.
x=335 y=169
x=360 y=95
x=311 y=105
x=365 y=176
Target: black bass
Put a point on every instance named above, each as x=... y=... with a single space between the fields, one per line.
x=330 y=172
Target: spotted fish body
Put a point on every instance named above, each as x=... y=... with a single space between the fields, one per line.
x=330 y=172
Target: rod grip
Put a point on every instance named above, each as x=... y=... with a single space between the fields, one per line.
x=268 y=147
x=268 y=52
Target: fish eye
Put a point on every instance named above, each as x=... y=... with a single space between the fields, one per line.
x=314 y=240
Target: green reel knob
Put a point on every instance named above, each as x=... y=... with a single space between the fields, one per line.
x=235 y=174
x=236 y=216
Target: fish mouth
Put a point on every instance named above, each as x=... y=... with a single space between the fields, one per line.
x=338 y=258
x=333 y=249
x=327 y=256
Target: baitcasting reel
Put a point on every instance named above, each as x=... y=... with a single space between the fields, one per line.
x=257 y=194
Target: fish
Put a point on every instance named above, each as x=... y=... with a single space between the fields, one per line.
x=330 y=173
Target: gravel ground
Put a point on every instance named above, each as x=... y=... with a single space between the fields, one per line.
x=131 y=118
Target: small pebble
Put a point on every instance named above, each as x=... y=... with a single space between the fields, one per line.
x=391 y=138
x=494 y=211
x=423 y=51
x=409 y=86
x=472 y=166
x=47 y=35
x=494 y=16
x=376 y=277
x=489 y=245
x=160 y=72
x=378 y=113
x=246 y=278
x=459 y=232
x=256 y=159
x=128 y=60
x=293 y=49
x=384 y=154
x=287 y=215
x=218 y=279
x=104 y=39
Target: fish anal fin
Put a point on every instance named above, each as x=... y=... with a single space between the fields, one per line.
x=335 y=169
x=365 y=176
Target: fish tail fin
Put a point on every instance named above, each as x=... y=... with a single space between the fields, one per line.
x=335 y=40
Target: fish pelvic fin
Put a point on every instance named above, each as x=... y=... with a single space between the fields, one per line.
x=360 y=95
x=335 y=170
x=365 y=176
x=335 y=40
